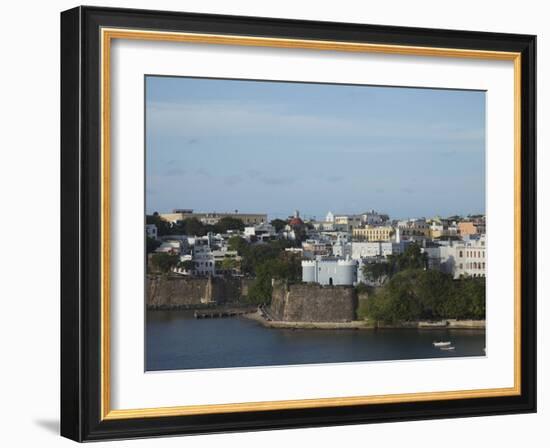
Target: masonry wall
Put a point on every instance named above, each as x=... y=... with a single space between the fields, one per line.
x=313 y=303
x=165 y=291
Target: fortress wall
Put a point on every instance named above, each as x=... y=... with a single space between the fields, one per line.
x=167 y=291
x=308 y=302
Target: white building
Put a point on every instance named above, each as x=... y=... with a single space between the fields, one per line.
x=323 y=226
x=170 y=247
x=369 y=249
x=470 y=258
x=203 y=258
x=373 y=218
x=460 y=258
x=330 y=271
x=341 y=247
x=262 y=231
x=151 y=231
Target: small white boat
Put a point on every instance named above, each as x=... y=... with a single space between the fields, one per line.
x=441 y=343
x=449 y=347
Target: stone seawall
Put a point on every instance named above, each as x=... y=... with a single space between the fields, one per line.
x=313 y=303
x=170 y=291
x=446 y=324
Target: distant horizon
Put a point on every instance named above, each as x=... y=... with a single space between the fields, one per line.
x=216 y=144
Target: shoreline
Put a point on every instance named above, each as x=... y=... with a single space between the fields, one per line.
x=447 y=324
x=353 y=325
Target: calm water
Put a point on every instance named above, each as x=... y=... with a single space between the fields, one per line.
x=175 y=340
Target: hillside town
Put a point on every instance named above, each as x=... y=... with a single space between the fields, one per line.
x=332 y=251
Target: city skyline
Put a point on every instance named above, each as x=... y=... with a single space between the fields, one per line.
x=320 y=217
x=272 y=147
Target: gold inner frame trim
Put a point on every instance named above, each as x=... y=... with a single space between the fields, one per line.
x=107 y=35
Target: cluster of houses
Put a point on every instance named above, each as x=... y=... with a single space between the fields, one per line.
x=334 y=250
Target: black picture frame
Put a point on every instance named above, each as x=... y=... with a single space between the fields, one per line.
x=81 y=224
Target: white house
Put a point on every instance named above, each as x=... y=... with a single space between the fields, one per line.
x=205 y=265
x=151 y=231
x=261 y=231
x=170 y=247
x=460 y=258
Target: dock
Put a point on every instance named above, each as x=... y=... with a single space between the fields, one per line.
x=218 y=313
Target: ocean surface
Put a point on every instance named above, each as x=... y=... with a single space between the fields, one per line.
x=176 y=340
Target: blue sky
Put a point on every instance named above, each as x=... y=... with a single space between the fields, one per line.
x=272 y=147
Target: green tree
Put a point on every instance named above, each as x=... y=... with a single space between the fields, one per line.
x=237 y=243
x=376 y=272
x=278 y=224
x=152 y=244
x=260 y=291
x=415 y=294
x=188 y=265
x=284 y=267
x=164 y=262
x=228 y=223
x=434 y=289
x=194 y=227
x=412 y=258
x=474 y=289
x=178 y=228
x=163 y=226
x=229 y=264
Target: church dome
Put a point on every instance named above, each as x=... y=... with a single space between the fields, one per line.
x=296 y=222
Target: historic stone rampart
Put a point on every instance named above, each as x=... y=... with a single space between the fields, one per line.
x=170 y=291
x=307 y=302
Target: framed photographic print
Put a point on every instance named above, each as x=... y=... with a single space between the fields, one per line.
x=273 y=223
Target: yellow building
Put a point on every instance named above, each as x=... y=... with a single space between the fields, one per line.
x=414 y=228
x=373 y=233
x=347 y=222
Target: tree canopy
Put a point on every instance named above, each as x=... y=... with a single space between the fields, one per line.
x=416 y=294
x=163 y=226
x=264 y=262
x=376 y=272
x=286 y=266
x=195 y=227
x=152 y=244
x=278 y=224
x=164 y=262
x=411 y=258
